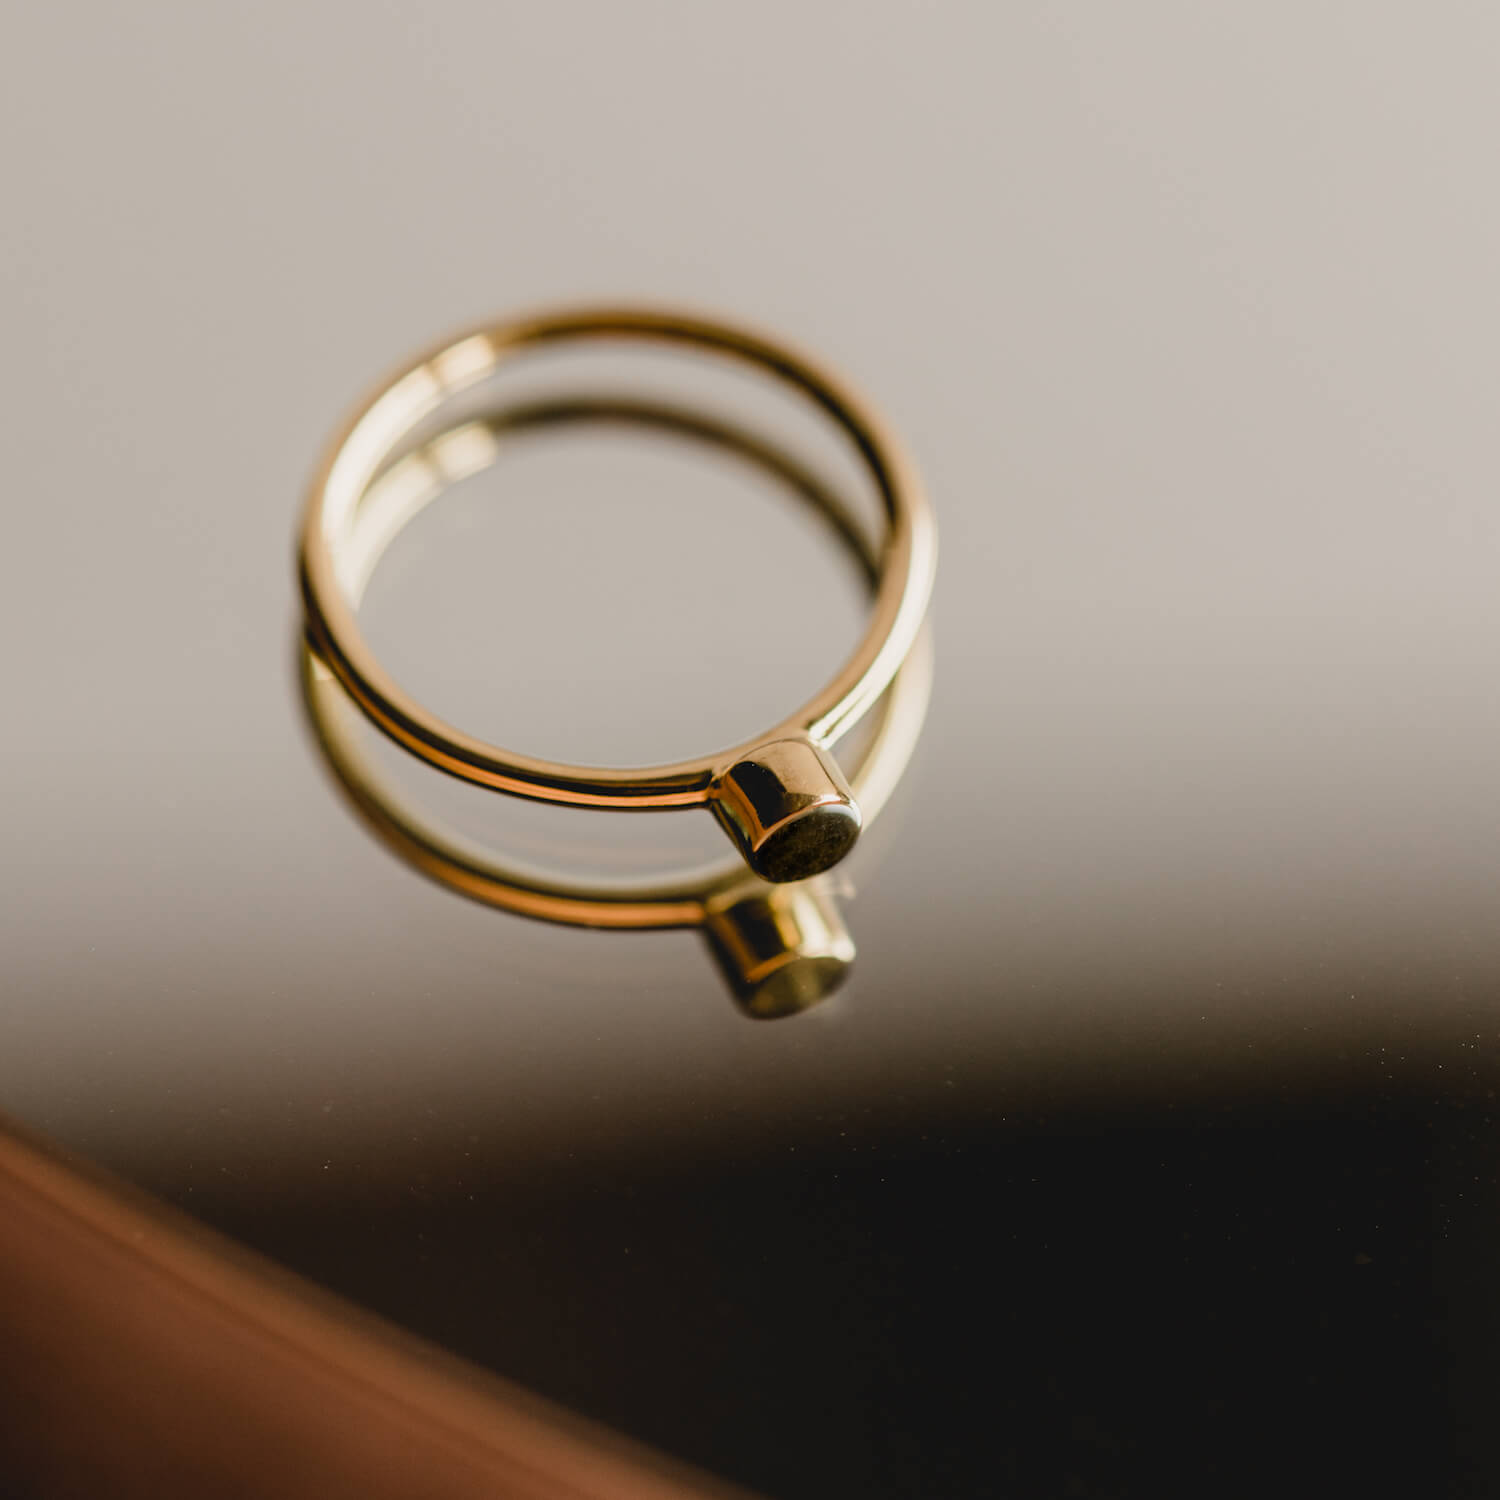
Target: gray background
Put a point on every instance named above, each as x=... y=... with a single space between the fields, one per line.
x=1188 y=313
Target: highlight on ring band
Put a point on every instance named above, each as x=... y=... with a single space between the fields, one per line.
x=792 y=810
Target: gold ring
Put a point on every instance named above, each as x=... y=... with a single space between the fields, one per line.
x=781 y=947
x=781 y=797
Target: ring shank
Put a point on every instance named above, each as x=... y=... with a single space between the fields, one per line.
x=376 y=432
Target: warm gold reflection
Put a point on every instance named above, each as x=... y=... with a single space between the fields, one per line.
x=781 y=947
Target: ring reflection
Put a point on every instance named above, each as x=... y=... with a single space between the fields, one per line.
x=781 y=948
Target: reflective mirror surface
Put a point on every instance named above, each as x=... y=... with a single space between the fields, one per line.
x=1149 y=1147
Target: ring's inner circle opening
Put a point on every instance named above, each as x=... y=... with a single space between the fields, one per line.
x=609 y=588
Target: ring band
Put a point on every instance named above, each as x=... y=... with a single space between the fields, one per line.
x=781 y=948
x=781 y=796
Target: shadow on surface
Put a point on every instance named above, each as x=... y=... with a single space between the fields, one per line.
x=1232 y=1307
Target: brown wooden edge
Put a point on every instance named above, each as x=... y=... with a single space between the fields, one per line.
x=143 y=1354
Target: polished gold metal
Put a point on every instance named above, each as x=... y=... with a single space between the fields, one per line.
x=781 y=947
x=780 y=796
x=788 y=808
